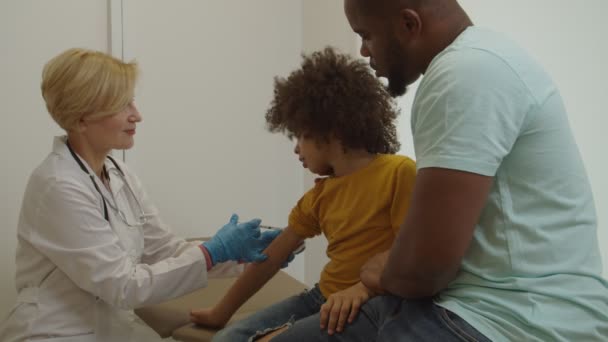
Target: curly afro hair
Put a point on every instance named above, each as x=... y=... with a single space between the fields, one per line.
x=335 y=95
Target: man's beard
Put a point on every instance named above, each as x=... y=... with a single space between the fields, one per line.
x=397 y=61
x=397 y=86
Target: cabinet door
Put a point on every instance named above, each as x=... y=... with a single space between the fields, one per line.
x=31 y=33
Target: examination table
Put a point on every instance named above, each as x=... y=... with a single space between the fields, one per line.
x=172 y=318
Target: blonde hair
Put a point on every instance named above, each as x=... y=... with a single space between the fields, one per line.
x=82 y=83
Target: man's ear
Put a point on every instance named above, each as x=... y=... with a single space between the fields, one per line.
x=410 y=22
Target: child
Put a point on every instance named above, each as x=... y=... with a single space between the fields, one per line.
x=344 y=123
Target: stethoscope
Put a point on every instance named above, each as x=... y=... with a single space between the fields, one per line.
x=141 y=220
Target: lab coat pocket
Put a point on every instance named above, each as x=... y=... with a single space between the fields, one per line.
x=28 y=304
x=20 y=320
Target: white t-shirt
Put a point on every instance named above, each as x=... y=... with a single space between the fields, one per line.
x=533 y=269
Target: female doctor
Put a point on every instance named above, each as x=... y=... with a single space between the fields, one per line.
x=91 y=244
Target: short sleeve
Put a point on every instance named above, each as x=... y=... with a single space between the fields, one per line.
x=468 y=112
x=304 y=217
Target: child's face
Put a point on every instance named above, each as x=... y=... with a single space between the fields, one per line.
x=314 y=155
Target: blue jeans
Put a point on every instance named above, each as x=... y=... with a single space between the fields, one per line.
x=383 y=318
x=300 y=313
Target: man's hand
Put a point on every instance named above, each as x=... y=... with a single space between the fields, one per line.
x=372 y=271
x=343 y=306
x=208 y=317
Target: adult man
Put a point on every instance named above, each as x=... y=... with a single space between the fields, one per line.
x=501 y=232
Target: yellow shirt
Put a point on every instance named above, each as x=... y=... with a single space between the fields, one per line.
x=359 y=214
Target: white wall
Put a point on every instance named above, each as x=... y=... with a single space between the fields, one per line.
x=31 y=32
x=202 y=149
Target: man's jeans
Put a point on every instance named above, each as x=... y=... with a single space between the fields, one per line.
x=383 y=318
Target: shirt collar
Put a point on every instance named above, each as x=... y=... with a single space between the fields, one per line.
x=60 y=147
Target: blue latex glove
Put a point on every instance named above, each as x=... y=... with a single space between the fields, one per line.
x=238 y=242
x=268 y=236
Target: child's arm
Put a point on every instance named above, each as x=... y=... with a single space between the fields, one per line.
x=252 y=279
x=343 y=306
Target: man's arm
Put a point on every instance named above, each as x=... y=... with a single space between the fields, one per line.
x=426 y=256
x=371 y=272
x=250 y=282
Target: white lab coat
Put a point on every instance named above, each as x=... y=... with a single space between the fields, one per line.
x=79 y=276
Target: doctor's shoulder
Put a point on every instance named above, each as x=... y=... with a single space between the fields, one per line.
x=52 y=190
x=53 y=172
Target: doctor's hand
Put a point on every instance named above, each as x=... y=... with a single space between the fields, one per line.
x=238 y=242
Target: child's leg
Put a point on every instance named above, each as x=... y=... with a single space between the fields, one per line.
x=309 y=329
x=283 y=313
x=363 y=329
x=270 y=336
x=305 y=329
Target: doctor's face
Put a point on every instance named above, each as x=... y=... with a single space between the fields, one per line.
x=114 y=132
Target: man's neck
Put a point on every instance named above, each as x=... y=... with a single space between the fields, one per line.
x=445 y=33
